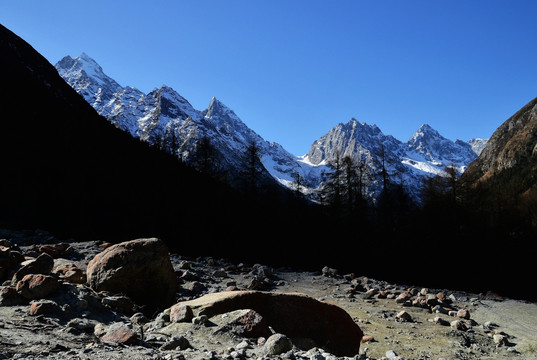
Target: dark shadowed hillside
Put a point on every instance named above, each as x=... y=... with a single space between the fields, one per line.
x=502 y=182
x=67 y=170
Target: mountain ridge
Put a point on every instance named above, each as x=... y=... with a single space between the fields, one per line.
x=164 y=116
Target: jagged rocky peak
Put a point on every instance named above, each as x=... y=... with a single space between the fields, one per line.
x=86 y=76
x=425 y=133
x=477 y=144
x=218 y=108
x=174 y=105
x=83 y=64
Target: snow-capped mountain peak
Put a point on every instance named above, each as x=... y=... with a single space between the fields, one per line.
x=163 y=117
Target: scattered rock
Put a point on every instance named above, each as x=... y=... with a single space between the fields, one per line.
x=139 y=318
x=83 y=325
x=404 y=316
x=329 y=272
x=200 y=320
x=463 y=313
x=459 y=325
x=177 y=342
x=120 y=333
x=37 y=286
x=70 y=321
x=71 y=273
x=500 y=339
x=43 y=307
x=41 y=265
x=277 y=344
x=181 y=313
x=10 y=297
x=367 y=338
x=140 y=269
x=438 y=320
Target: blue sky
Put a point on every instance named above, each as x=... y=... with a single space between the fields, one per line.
x=293 y=69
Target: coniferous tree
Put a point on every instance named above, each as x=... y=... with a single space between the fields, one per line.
x=253 y=167
x=333 y=182
x=298 y=181
x=206 y=157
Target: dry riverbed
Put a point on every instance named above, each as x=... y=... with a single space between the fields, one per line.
x=399 y=321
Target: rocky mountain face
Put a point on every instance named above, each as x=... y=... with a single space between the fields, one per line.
x=504 y=176
x=166 y=118
x=513 y=144
x=425 y=154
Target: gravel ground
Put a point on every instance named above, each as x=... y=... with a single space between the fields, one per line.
x=497 y=328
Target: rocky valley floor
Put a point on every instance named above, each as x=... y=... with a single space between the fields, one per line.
x=399 y=321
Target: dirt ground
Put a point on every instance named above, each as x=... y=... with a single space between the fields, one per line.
x=30 y=337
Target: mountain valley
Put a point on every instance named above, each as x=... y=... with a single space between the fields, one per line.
x=166 y=118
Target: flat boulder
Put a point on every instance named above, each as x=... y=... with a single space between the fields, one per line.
x=295 y=315
x=140 y=269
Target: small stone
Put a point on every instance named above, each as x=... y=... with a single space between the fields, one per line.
x=178 y=342
x=438 y=320
x=368 y=338
x=432 y=300
x=43 y=307
x=200 y=320
x=500 y=339
x=403 y=297
x=390 y=354
x=181 y=313
x=120 y=333
x=424 y=291
x=139 y=318
x=439 y=310
x=277 y=344
x=459 y=325
x=99 y=330
x=463 y=313
x=329 y=272
x=404 y=316
x=84 y=325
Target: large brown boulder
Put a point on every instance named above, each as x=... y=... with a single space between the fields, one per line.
x=295 y=315
x=140 y=269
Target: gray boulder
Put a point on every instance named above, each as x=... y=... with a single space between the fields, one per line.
x=140 y=269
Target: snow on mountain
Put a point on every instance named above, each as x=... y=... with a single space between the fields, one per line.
x=165 y=118
x=425 y=154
